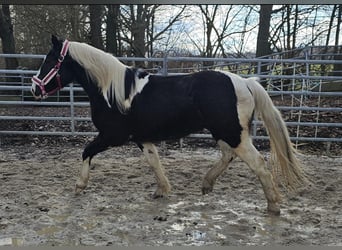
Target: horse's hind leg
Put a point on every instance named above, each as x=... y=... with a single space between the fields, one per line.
x=151 y=154
x=227 y=156
x=248 y=153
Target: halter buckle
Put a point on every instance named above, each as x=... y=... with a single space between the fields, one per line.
x=61 y=58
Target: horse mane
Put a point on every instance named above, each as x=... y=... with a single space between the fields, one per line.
x=105 y=70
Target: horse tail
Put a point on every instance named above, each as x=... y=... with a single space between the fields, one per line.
x=286 y=168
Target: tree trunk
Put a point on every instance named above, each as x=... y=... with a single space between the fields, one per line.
x=324 y=66
x=138 y=31
x=295 y=28
x=338 y=49
x=263 y=44
x=263 y=47
x=7 y=37
x=112 y=37
x=288 y=27
x=209 y=25
x=75 y=23
x=95 y=25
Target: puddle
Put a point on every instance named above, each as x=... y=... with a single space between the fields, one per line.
x=197 y=238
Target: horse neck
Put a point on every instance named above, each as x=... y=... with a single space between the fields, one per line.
x=91 y=88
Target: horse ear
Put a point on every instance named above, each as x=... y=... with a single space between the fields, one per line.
x=55 y=42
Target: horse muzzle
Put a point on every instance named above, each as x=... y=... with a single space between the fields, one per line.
x=37 y=93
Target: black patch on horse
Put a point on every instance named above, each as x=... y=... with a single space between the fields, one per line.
x=129 y=81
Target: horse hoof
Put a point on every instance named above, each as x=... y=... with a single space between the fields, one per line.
x=273 y=209
x=206 y=190
x=79 y=188
x=157 y=196
x=207 y=187
x=161 y=192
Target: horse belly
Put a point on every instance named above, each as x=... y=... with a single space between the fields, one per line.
x=159 y=124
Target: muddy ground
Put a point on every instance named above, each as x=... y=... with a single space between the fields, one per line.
x=38 y=205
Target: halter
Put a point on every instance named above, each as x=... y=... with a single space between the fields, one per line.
x=52 y=73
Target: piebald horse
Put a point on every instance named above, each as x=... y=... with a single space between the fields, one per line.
x=129 y=104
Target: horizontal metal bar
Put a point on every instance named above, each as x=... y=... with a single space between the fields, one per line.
x=86 y=104
x=35 y=56
x=42 y=103
x=203 y=136
x=18 y=71
x=286 y=108
x=307 y=124
x=51 y=118
x=252 y=60
x=28 y=88
x=60 y=133
x=310 y=93
x=170 y=58
x=291 y=77
x=312 y=139
x=318 y=139
x=271 y=92
x=44 y=118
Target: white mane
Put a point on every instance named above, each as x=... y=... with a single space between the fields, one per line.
x=103 y=68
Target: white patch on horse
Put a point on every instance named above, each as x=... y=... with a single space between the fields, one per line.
x=139 y=85
x=151 y=154
x=82 y=182
x=245 y=101
x=227 y=156
x=33 y=87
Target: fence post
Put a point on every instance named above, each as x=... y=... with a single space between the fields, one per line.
x=72 y=109
x=259 y=68
x=165 y=65
x=22 y=79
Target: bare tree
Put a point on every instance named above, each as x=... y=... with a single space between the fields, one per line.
x=7 y=38
x=113 y=41
x=263 y=44
x=77 y=16
x=224 y=29
x=154 y=36
x=338 y=49
x=330 y=27
x=143 y=29
x=34 y=25
x=134 y=22
x=138 y=27
x=96 y=14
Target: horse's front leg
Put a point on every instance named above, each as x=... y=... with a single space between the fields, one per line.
x=151 y=154
x=82 y=181
x=98 y=145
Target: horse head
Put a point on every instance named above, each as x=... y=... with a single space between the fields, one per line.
x=54 y=73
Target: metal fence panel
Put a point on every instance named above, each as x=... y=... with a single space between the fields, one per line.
x=300 y=84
